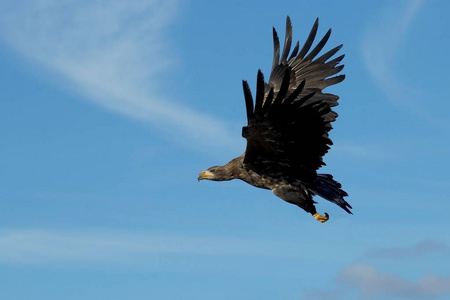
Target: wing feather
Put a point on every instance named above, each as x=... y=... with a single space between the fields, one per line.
x=319 y=46
x=259 y=91
x=248 y=99
x=310 y=39
x=287 y=40
x=276 y=49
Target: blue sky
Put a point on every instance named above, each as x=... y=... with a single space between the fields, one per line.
x=109 y=110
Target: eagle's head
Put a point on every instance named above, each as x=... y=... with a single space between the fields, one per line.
x=216 y=173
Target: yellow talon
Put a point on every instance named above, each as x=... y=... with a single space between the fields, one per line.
x=321 y=218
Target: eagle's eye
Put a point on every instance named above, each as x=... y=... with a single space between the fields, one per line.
x=213 y=170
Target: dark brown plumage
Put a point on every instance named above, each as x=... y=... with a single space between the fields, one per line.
x=288 y=125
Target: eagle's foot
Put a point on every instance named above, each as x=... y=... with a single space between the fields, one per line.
x=320 y=218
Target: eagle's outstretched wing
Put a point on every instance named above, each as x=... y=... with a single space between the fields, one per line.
x=287 y=132
x=303 y=65
x=286 y=137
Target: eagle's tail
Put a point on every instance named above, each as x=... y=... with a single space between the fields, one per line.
x=328 y=188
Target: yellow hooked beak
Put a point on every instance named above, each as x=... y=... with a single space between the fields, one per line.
x=205 y=175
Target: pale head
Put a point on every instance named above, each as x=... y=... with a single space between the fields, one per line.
x=216 y=173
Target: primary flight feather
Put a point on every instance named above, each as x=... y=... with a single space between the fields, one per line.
x=288 y=125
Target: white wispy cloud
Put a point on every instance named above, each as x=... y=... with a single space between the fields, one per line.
x=373 y=283
x=383 y=42
x=419 y=249
x=364 y=151
x=31 y=246
x=381 y=45
x=114 y=52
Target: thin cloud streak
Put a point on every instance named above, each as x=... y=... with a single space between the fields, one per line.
x=380 y=48
x=113 y=52
x=419 y=249
x=364 y=152
x=372 y=283
x=25 y=246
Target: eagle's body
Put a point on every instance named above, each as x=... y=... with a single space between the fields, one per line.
x=236 y=169
x=288 y=125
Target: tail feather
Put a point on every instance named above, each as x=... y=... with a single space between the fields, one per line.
x=329 y=189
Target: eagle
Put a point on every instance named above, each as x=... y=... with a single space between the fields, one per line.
x=288 y=126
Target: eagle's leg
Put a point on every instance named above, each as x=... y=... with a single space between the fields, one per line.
x=320 y=218
x=300 y=197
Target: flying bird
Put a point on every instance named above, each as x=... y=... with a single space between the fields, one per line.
x=288 y=126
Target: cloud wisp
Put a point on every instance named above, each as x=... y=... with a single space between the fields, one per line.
x=419 y=249
x=384 y=40
x=372 y=283
x=380 y=48
x=25 y=246
x=114 y=53
x=367 y=152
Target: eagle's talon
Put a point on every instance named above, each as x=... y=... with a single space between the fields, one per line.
x=320 y=218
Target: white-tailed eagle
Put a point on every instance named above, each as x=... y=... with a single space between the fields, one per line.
x=288 y=126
